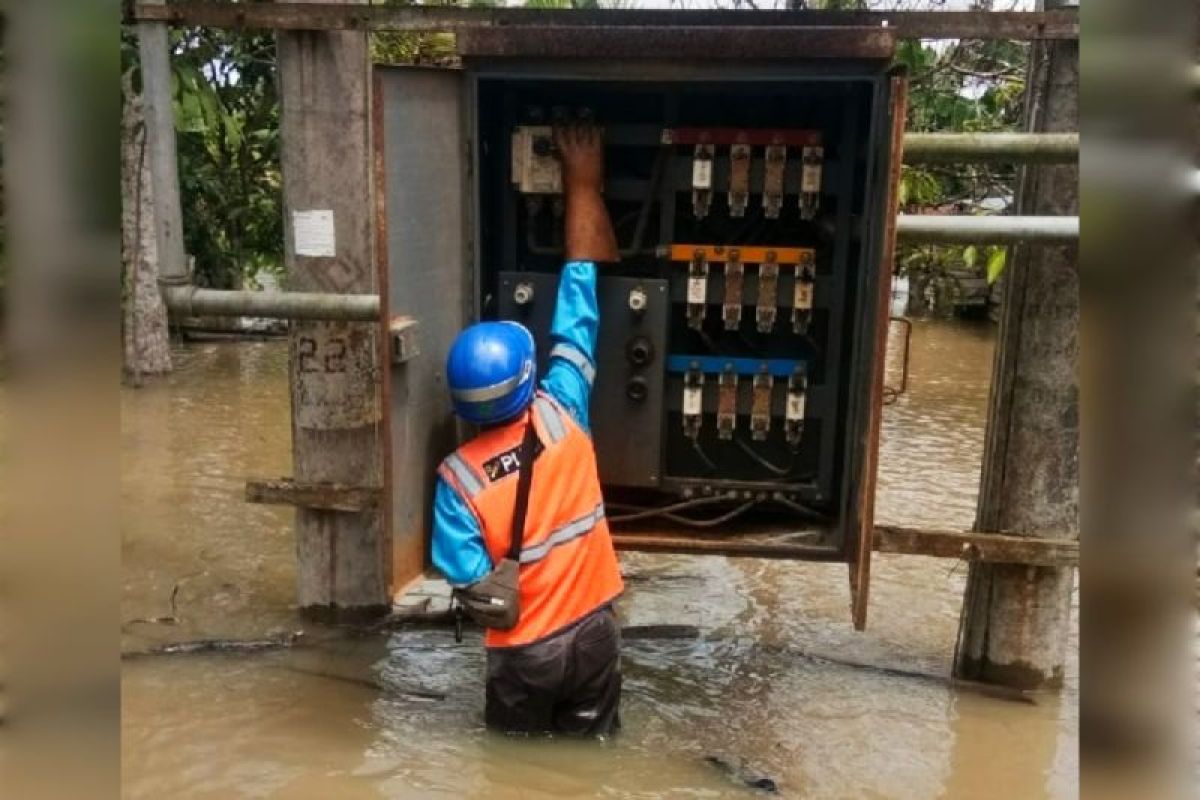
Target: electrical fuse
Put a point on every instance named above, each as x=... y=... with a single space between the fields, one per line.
x=793 y=416
x=739 y=179
x=693 y=402
x=812 y=161
x=802 y=298
x=702 y=180
x=760 y=409
x=731 y=311
x=768 y=291
x=727 y=387
x=775 y=163
x=697 y=290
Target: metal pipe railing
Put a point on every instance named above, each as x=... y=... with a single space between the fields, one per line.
x=1017 y=148
x=192 y=301
x=940 y=229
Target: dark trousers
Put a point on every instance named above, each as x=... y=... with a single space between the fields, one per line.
x=567 y=683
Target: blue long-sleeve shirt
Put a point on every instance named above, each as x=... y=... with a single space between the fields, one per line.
x=459 y=551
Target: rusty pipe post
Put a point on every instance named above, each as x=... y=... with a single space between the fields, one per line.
x=192 y=301
x=979 y=148
x=943 y=229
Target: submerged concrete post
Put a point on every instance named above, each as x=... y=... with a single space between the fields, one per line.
x=343 y=566
x=1015 y=618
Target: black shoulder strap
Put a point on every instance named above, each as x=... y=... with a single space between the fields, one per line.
x=524 y=480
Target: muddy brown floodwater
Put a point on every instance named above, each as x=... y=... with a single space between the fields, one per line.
x=766 y=687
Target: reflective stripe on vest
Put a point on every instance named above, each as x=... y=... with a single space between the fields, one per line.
x=551 y=419
x=466 y=477
x=569 y=532
x=571 y=354
x=568 y=565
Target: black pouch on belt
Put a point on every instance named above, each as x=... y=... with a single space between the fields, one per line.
x=494 y=600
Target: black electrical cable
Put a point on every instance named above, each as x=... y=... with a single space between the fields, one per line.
x=715 y=521
x=761 y=461
x=531 y=242
x=800 y=508
x=712 y=345
x=643 y=513
x=656 y=176
x=666 y=512
x=708 y=462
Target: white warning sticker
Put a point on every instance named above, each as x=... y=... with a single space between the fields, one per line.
x=697 y=289
x=313 y=234
x=702 y=173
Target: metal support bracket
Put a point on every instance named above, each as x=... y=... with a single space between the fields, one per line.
x=403 y=332
x=891 y=393
x=320 y=496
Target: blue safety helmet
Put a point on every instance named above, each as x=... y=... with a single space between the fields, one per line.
x=491 y=371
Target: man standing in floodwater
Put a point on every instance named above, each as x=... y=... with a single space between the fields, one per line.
x=553 y=643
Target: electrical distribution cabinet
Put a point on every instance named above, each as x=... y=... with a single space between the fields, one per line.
x=741 y=331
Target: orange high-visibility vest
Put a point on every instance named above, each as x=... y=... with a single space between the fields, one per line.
x=568 y=565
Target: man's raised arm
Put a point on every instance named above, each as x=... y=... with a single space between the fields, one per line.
x=589 y=238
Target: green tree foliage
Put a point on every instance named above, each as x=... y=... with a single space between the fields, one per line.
x=967 y=87
x=227 y=115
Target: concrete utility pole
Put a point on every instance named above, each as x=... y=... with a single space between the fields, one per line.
x=154 y=52
x=338 y=435
x=1016 y=618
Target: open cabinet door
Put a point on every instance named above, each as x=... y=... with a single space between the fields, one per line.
x=423 y=243
x=863 y=530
